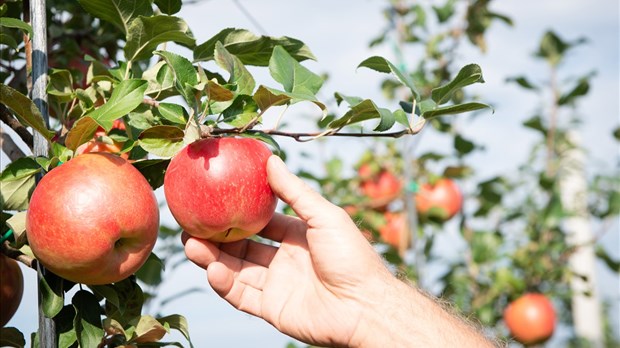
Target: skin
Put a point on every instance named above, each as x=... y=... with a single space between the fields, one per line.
x=324 y=284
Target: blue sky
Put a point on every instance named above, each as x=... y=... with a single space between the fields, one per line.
x=338 y=33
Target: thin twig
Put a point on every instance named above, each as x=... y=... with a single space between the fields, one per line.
x=9 y=147
x=301 y=137
x=16 y=254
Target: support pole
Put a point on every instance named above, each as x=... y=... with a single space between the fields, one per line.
x=585 y=301
x=47 y=326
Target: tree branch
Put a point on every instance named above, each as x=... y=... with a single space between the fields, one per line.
x=9 y=120
x=9 y=147
x=303 y=137
x=16 y=254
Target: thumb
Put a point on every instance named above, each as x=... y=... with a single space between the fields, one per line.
x=306 y=202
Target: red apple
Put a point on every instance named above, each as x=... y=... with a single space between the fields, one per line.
x=530 y=318
x=440 y=200
x=392 y=232
x=217 y=188
x=98 y=145
x=382 y=189
x=93 y=220
x=11 y=288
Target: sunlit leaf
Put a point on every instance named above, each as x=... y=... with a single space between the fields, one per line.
x=17 y=181
x=239 y=75
x=144 y=34
x=169 y=7
x=185 y=76
x=25 y=109
x=118 y=12
x=125 y=97
x=163 y=141
x=177 y=322
x=9 y=22
x=383 y=65
x=251 y=49
x=454 y=109
x=468 y=75
x=148 y=329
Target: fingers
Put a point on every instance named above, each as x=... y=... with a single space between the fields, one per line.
x=307 y=203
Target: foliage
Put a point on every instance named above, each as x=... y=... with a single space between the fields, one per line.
x=109 y=61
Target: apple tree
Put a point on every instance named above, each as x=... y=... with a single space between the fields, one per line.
x=515 y=230
x=128 y=78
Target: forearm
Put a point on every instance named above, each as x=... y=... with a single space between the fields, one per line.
x=408 y=318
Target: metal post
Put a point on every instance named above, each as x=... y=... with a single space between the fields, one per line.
x=47 y=326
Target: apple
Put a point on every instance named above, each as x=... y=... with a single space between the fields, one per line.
x=97 y=144
x=381 y=189
x=11 y=288
x=93 y=219
x=217 y=188
x=392 y=232
x=440 y=200
x=530 y=318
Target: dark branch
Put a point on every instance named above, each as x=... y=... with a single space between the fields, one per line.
x=303 y=137
x=15 y=254
x=9 y=120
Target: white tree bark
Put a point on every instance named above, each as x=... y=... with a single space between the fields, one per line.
x=587 y=315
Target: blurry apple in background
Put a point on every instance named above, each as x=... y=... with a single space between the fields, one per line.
x=102 y=143
x=394 y=229
x=530 y=318
x=93 y=219
x=381 y=189
x=440 y=200
x=217 y=188
x=11 y=288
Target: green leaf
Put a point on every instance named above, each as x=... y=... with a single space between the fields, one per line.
x=17 y=181
x=146 y=33
x=108 y=292
x=218 y=93
x=51 y=293
x=523 y=82
x=169 y=7
x=453 y=109
x=251 y=49
x=25 y=109
x=153 y=170
x=118 y=12
x=582 y=88
x=87 y=322
x=64 y=326
x=468 y=75
x=552 y=47
x=151 y=271
x=462 y=145
x=294 y=77
x=291 y=97
x=383 y=65
x=613 y=265
x=9 y=41
x=444 y=12
x=163 y=141
x=9 y=22
x=148 y=329
x=83 y=130
x=125 y=97
x=365 y=110
x=239 y=75
x=265 y=99
x=177 y=322
x=185 y=76
x=60 y=85
x=174 y=113
x=11 y=337
x=160 y=78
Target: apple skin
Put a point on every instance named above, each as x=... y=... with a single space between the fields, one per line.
x=93 y=220
x=217 y=188
x=11 y=288
x=441 y=200
x=393 y=229
x=530 y=318
x=382 y=188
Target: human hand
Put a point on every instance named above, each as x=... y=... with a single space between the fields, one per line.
x=316 y=285
x=324 y=284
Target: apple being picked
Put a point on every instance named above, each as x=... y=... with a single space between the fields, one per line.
x=440 y=200
x=530 y=318
x=11 y=288
x=93 y=219
x=217 y=188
